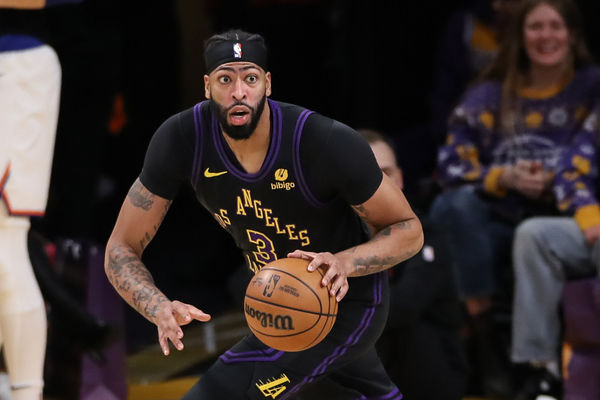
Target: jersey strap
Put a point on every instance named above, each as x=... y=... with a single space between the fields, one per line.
x=312 y=200
x=199 y=129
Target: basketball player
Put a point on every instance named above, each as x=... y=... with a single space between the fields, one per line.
x=283 y=181
x=30 y=78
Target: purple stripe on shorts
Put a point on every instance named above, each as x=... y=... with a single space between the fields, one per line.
x=377 y=287
x=257 y=355
x=197 y=150
x=230 y=353
x=304 y=189
x=393 y=395
x=341 y=350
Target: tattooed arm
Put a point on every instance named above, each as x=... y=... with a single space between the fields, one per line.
x=397 y=232
x=397 y=236
x=141 y=214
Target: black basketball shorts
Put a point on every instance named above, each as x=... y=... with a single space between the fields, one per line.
x=343 y=366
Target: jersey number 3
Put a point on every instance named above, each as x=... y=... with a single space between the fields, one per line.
x=265 y=252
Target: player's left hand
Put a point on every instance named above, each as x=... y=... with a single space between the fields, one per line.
x=335 y=271
x=170 y=316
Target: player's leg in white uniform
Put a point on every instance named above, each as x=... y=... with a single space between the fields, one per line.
x=22 y=311
x=29 y=97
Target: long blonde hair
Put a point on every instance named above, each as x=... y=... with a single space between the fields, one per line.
x=512 y=63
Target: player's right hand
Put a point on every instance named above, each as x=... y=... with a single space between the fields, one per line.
x=335 y=273
x=170 y=316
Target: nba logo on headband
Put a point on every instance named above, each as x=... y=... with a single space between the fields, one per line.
x=237 y=50
x=226 y=51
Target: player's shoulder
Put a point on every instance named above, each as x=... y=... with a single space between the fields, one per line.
x=294 y=111
x=318 y=122
x=178 y=128
x=183 y=119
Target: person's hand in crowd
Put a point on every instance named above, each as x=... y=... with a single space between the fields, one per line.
x=526 y=177
x=592 y=234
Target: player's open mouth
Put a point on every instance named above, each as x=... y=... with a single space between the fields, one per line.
x=239 y=115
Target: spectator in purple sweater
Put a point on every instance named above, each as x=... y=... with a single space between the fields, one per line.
x=504 y=141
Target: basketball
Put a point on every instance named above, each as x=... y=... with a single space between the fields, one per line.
x=287 y=308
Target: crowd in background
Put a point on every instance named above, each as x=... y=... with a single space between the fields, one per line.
x=490 y=108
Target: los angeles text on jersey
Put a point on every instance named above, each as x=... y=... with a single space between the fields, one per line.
x=247 y=206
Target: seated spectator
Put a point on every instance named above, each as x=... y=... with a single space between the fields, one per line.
x=469 y=44
x=420 y=346
x=550 y=250
x=497 y=165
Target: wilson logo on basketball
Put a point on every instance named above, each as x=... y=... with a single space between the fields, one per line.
x=280 y=322
x=281 y=176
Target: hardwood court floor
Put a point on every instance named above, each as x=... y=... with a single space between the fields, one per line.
x=152 y=376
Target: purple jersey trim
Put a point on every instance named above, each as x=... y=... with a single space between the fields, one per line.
x=246 y=356
x=304 y=189
x=197 y=147
x=354 y=337
x=276 y=128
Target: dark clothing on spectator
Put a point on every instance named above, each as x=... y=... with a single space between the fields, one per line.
x=421 y=347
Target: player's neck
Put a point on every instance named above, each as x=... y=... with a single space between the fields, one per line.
x=251 y=152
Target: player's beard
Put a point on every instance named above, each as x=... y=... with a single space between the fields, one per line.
x=238 y=132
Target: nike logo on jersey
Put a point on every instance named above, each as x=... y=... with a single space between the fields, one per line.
x=209 y=174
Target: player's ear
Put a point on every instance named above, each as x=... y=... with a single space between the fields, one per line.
x=206 y=87
x=268 y=85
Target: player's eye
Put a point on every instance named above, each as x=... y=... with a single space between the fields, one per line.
x=224 y=79
x=252 y=78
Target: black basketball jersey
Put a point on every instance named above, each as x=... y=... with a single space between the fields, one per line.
x=272 y=212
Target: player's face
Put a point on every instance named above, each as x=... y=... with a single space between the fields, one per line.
x=547 y=38
x=238 y=92
x=386 y=159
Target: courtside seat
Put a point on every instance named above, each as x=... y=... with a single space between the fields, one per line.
x=581 y=313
